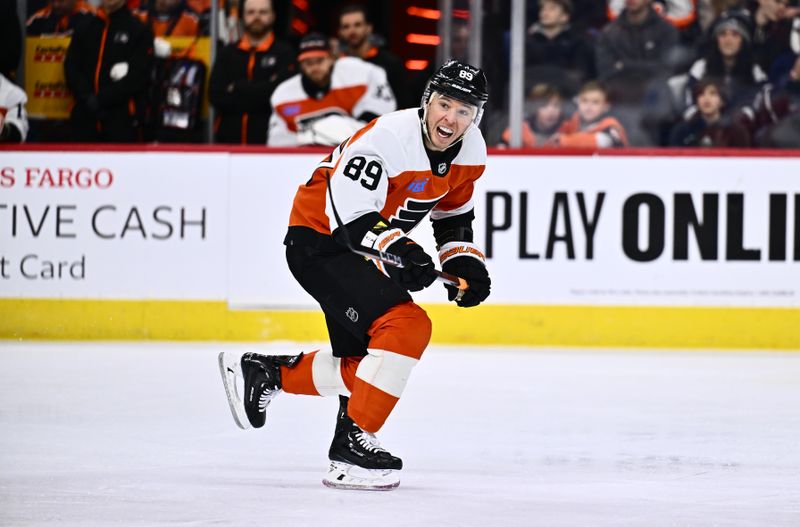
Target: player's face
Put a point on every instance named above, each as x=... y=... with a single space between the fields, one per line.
x=354 y=29
x=447 y=120
x=591 y=105
x=317 y=69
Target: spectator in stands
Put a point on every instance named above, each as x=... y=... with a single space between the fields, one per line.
x=639 y=41
x=709 y=10
x=554 y=52
x=680 y=13
x=107 y=68
x=776 y=39
x=544 y=115
x=13 y=116
x=329 y=99
x=10 y=38
x=355 y=31
x=587 y=18
x=591 y=126
x=59 y=17
x=731 y=60
x=779 y=121
x=459 y=44
x=244 y=76
x=710 y=127
x=170 y=18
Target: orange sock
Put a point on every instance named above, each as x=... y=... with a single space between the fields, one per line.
x=300 y=379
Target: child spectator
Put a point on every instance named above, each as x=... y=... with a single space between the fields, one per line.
x=591 y=126
x=710 y=127
x=545 y=113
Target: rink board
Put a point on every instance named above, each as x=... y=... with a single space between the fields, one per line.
x=610 y=250
x=591 y=326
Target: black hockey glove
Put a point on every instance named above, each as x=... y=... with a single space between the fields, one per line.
x=465 y=260
x=419 y=270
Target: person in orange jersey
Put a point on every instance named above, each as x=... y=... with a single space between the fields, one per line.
x=59 y=17
x=372 y=190
x=107 y=67
x=544 y=110
x=591 y=126
x=329 y=99
x=244 y=76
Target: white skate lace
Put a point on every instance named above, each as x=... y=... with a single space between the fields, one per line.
x=369 y=441
x=264 y=400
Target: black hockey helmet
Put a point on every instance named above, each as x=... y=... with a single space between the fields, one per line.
x=460 y=81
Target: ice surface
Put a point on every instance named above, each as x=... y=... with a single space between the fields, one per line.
x=107 y=434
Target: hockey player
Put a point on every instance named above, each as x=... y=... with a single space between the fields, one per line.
x=370 y=192
x=329 y=100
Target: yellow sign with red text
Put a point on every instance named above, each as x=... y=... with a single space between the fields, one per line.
x=45 y=83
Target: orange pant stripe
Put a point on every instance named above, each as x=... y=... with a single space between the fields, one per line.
x=404 y=329
x=369 y=407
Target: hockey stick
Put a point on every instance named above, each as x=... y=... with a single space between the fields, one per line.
x=392 y=259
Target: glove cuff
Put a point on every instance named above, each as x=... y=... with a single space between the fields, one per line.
x=381 y=241
x=451 y=250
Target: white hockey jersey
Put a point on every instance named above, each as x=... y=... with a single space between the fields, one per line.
x=357 y=87
x=385 y=168
x=12 y=106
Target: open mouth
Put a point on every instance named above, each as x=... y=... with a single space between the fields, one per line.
x=444 y=132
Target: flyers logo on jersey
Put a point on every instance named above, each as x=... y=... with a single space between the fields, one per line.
x=411 y=213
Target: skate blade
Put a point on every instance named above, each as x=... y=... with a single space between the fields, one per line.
x=350 y=477
x=230 y=368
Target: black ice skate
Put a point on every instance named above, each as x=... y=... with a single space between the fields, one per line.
x=357 y=459
x=262 y=382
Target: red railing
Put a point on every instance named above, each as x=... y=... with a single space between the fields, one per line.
x=237 y=149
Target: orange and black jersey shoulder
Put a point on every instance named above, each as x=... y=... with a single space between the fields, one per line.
x=385 y=168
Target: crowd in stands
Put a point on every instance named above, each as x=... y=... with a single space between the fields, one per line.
x=685 y=73
x=675 y=73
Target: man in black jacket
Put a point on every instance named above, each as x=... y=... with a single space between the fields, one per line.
x=107 y=68
x=244 y=76
x=355 y=30
x=554 y=52
x=638 y=42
